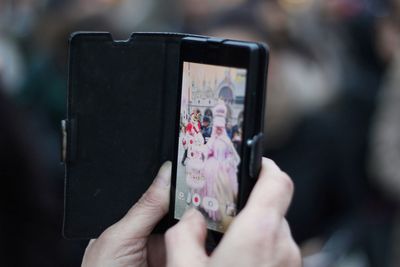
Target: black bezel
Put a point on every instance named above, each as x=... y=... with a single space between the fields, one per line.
x=245 y=55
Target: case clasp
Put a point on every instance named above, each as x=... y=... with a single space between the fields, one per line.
x=63 y=141
x=256 y=150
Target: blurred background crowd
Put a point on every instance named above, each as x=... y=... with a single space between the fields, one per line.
x=332 y=119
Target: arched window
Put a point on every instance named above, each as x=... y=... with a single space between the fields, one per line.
x=226 y=94
x=208 y=113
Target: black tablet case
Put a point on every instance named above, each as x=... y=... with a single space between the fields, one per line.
x=120 y=125
x=116 y=90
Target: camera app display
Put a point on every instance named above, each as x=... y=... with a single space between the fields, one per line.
x=210 y=137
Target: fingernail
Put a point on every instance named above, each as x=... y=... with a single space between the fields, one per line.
x=164 y=174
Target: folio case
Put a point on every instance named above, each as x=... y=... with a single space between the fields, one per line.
x=120 y=125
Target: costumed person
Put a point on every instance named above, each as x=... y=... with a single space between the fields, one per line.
x=182 y=126
x=206 y=128
x=237 y=133
x=220 y=168
x=194 y=143
x=189 y=130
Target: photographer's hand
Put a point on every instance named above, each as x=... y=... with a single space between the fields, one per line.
x=259 y=235
x=128 y=242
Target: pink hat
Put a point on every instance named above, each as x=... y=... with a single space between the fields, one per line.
x=219 y=122
x=219 y=113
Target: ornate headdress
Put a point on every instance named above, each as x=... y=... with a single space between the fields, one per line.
x=219 y=113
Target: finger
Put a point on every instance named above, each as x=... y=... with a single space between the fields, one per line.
x=149 y=210
x=258 y=241
x=262 y=220
x=272 y=192
x=185 y=241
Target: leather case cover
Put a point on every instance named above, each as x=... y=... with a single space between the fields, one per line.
x=116 y=90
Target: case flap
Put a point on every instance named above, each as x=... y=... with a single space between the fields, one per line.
x=120 y=124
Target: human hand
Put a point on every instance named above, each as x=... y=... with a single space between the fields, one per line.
x=128 y=242
x=258 y=236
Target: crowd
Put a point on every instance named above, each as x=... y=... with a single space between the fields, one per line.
x=331 y=117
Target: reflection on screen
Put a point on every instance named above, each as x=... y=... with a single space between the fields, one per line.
x=210 y=137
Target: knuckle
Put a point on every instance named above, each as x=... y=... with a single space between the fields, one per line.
x=286 y=182
x=268 y=162
x=270 y=165
x=151 y=199
x=148 y=199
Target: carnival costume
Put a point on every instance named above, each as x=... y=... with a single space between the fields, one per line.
x=194 y=143
x=220 y=166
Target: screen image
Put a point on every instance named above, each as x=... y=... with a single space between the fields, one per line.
x=209 y=145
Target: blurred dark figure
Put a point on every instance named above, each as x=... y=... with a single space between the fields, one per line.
x=206 y=128
x=30 y=142
x=324 y=74
x=385 y=135
x=327 y=152
x=31 y=200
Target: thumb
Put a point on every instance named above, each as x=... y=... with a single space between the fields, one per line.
x=185 y=241
x=150 y=209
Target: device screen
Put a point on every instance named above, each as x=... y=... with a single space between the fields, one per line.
x=210 y=137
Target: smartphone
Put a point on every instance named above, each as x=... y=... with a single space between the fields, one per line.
x=219 y=124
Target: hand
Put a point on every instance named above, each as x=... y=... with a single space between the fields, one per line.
x=258 y=236
x=128 y=242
